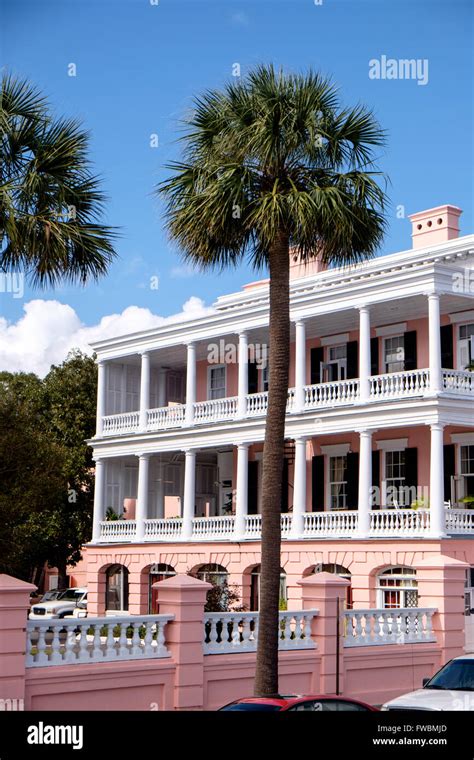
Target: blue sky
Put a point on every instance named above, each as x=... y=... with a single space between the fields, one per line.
x=139 y=64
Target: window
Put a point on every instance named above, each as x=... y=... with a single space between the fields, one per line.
x=215 y=574
x=467 y=470
x=116 y=588
x=466 y=346
x=265 y=376
x=158 y=572
x=336 y=365
x=394 y=353
x=337 y=482
x=395 y=478
x=396 y=588
x=217 y=387
x=114 y=388
x=255 y=589
x=132 y=388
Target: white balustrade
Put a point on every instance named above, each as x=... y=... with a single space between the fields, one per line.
x=166 y=417
x=330 y=394
x=459 y=520
x=74 y=641
x=215 y=409
x=127 y=422
x=235 y=632
x=408 y=625
x=286 y=524
x=253 y=526
x=257 y=404
x=117 y=531
x=399 y=522
x=209 y=528
x=400 y=384
x=163 y=528
x=458 y=381
x=339 y=524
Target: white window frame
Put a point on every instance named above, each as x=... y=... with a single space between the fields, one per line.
x=210 y=370
x=385 y=481
x=328 y=457
x=385 y=363
x=402 y=590
x=462 y=344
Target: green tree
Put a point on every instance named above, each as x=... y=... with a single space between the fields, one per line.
x=50 y=202
x=273 y=163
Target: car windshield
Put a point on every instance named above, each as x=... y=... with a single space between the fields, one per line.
x=70 y=594
x=253 y=706
x=457 y=675
x=49 y=595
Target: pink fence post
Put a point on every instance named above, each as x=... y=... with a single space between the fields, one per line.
x=441 y=582
x=185 y=597
x=326 y=593
x=14 y=606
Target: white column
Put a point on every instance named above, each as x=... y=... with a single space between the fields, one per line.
x=190 y=383
x=189 y=493
x=142 y=496
x=299 y=489
x=365 y=482
x=162 y=375
x=437 y=512
x=243 y=388
x=364 y=353
x=300 y=365
x=98 y=515
x=101 y=388
x=241 y=496
x=144 y=390
x=434 y=322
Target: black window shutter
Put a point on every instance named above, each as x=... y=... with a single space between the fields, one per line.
x=449 y=467
x=410 y=350
x=352 y=478
x=352 y=349
x=253 y=377
x=447 y=347
x=317 y=356
x=284 y=487
x=374 y=356
x=411 y=468
x=317 y=483
x=252 y=488
x=376 y=477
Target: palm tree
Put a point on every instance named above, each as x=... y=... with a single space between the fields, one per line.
x=270 y=163
x=50 y=202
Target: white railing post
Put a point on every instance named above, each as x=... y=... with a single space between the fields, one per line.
x=144 y=390
x=189 y=493
x=434 y=321
x=241 y=496
x=190 y=383
x=364 y=354
x=142 y=496
x=300 y=366
x=365 y=482
x=299 y=492
x=437 y=512
x=243 y=377
x=101 y=390
x=98 y=514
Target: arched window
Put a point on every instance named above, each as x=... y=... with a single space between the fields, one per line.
x=255 y=589
x=335 y=569
x=116 y=588
x=397 y=587
x=157 y=573
x=212 y=573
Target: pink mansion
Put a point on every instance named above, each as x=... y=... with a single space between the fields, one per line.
x=379 y=466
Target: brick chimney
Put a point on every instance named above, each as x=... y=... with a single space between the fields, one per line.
x=435 y=225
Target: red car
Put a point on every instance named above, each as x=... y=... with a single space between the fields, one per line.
x=293 y=703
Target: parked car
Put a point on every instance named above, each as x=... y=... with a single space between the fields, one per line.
x=80 y=610
x=451 y=688
x=61 y=607
x=296 y=703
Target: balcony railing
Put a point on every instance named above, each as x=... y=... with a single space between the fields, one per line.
x=383 y=523
x=234 y=632
x=409 y=625
x=394 y=385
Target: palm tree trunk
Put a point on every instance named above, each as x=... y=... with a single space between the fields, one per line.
x=266 y=677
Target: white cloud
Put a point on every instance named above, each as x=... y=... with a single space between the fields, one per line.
x=48 y=330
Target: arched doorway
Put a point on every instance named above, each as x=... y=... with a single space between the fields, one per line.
x=116 y=588
x=158 y=572
x=212 y=573
x=255 y=589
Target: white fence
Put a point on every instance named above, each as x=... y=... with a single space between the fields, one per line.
x=408 y=625
x=99 y=639
x=233 y=632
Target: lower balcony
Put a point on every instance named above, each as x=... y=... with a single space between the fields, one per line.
x=384 y=523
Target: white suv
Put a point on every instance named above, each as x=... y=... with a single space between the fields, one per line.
x=451 y=688
x=63 y=606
